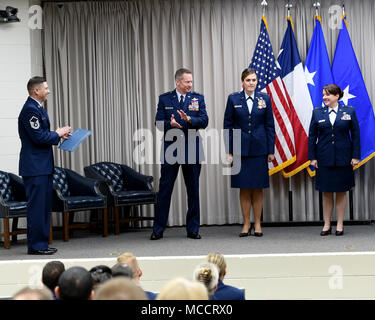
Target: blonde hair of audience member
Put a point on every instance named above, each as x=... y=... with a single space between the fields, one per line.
x=183 y=289
x=29 y=293
x=219 y=261
x=131 y=260
x=207 y=274
x=120 y=288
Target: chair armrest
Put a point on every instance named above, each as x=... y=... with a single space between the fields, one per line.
x=16 y=182
x=104 y=184
x=135 y=180
x=82 y=186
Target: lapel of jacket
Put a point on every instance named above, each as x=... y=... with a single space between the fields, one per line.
x=325 y=114
x=174 y=100
x=243 y=102
x=338 y=115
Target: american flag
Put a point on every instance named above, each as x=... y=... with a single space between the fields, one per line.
x=270 y=82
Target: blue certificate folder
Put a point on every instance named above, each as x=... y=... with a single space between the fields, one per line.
x=75 y=140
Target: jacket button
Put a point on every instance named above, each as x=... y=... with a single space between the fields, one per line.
x=249 y=124
x=249 y=117
x=333 y=142
x=249 y=131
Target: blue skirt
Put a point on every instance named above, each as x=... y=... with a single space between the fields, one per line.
x=334 y=179
x=253 y=173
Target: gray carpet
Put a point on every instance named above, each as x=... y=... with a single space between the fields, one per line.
x=224 y=239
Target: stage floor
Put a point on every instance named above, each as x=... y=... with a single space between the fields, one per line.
x=286 y=263
x=223 y=239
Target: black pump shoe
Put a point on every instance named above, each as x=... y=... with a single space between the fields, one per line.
x=258 y=234
x=326 y=233
x=339 y=233
x=245 y=234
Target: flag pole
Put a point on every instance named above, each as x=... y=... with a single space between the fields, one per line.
x=290 y=193
x=316 y=5
x=351 y=199
x=264 y=5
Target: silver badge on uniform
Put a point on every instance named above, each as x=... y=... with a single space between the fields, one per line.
x=34 y=123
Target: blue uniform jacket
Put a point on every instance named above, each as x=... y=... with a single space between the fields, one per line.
x=225 y=292
x=195 y=107
x=257 y=128
x=36 y=157
x=334 y=145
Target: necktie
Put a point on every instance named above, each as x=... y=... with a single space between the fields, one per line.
x=332 y=111
x=181 y=102
x=251 y=98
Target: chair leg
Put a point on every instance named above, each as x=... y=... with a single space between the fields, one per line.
x=50 y=231
x=66 y=226
x=105 y=222
x=117 y=221
x=14 y=228
x=6 y=234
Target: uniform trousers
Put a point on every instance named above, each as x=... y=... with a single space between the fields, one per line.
x=39 y=198
x=168 y=177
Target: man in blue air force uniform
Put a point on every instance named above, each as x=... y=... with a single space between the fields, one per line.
x=36 y=164
x=180 y=114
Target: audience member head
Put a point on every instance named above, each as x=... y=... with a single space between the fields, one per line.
x=183 y=289
x=29 y=293
x=130 y=260
x=219 y=261
x=122 y=270
x=51 y=274
x=100 y=274
x=75 y=283
x=207 y=274
x=120 y=288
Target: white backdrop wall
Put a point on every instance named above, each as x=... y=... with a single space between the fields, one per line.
x=107 y=62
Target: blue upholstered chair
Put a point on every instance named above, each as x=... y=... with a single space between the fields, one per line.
x=124 y=187
x=73 y=192
x=13 y=205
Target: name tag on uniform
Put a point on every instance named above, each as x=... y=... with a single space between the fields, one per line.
x=238 y=106
x=168 y=108
x=346 y=117
x=44 y=118
x=321 y=120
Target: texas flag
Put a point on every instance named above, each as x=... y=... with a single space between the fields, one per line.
x=294 y=78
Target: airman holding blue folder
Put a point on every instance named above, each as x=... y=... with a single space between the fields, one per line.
x=36 y=164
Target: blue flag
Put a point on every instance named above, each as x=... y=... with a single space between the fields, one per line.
x=317 y=65
x=348 y=77
x=317 y=70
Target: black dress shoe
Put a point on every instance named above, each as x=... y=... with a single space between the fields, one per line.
x=258 y=234
x=41 y=252
x=194 y=235
x=156 y=236
x=339 y=233
x=326 y=233
x=54 y=250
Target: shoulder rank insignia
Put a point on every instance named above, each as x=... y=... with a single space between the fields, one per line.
x=34 y=123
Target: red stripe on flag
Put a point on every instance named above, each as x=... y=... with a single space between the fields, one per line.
x=279 y=118
x=280 y=150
